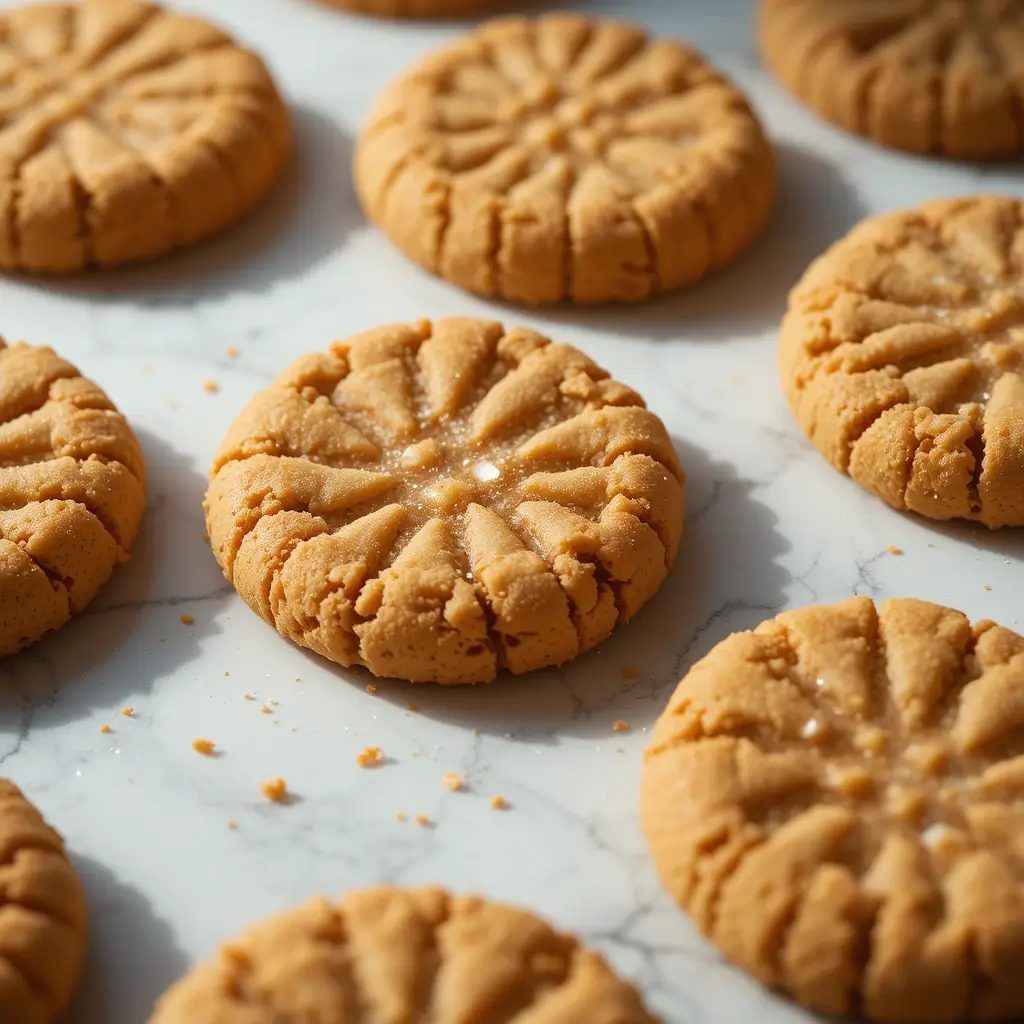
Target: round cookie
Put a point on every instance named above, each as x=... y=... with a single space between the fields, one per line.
x=72 y=491
x=128 y=131
x=837 y=798
x=437 y=501
x=941 y=77
x=565 y=159
x=413 y=8
x=902 y=356
x=43 y=919
x=390 y=954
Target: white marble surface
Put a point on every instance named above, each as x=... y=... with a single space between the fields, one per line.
x=770 y=526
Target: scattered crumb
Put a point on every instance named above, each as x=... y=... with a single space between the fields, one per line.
x=986 y=587
x=499 y=803
x=620 y=750
x=452 y=781
x=630 y=673
x=203 y=746
x=231 y=352
x=620 y=726
x=275 y=790
x=265 y=709
x=249 y=696
x=226 y=672
x=105 y=729
x=211 y=387
x=292 y=728
x=232 y=823
x=422 y=819
x=163 y=640
x=297 y=679
x=476 y=732
x=414 y=753
x=893 y=550
x=371 y=688
x=371 y=757
x=414 y=707
x=270 y=700
x=147 y=369
x=401 y=816
x=206 y=536
x=187 y=620
x=127 y=712
x=275 y=722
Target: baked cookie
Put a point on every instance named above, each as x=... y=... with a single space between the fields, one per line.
x=413 y=8
x=942 y=77
x=42 y=915
x=902 y=357
x=565 y=159
x=127 y=131
x=72 y=491
x=436 y=501
x=837 y=798
x=403 y=955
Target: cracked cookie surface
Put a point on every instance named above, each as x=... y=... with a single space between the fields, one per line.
x=413 y=8
x=902 y=356
x=72 y=492
x=396 y=955
x=42 y=915
x=125 y=132
x=940 y=77
x=436 y=501
x=837 y=798
x=565 y=159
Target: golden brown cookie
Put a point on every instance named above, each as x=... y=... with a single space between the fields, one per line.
x=72 y=491
x=837 y=798
x=902 y=357
x=403 y=955
x=413 y=8
x=942 y=77
x=127 y=131
x=42 y=915
x=436 y=501
x=565 y=159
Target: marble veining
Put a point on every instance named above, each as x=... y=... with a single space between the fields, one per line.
x=770 y=526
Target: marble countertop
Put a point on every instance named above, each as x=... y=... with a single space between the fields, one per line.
x=770 y=526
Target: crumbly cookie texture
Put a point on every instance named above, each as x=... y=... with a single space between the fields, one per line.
x=902 y=357
x=72 y=491
x=402 y=955
x=436 y=501
x=43 y=919
x=565 y=159
x=413 y=8
x=940 y=77
x=837 y=798
x=128 y=131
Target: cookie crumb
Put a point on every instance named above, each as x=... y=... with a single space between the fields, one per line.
x=453 y=781
x=211 y=387
x=202 y=746
x=371 y=757
x=105 y=729
x=128 y=712
x=187 y=620
x=371 y=688
x=275 y=790
x=986 y=587
x=414 y=707
x=248 y=696
x=422 y=819
x=893 y=550
x=401 y=816
x=476 y=732
x=499 y=803
x=232 y=824
x=265 y=709
x=629 y=672
x=620 y=725
x=226 y=672
x=231 y=352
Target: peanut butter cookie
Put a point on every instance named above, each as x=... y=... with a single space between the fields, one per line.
x=72 y=491
x=941 y=77
x=403 y=955
x=902 y=357
x=436 y=501
x=837 y=798
x=127 y=131
x=565 y=159
x=42 y=915
x=413 y=8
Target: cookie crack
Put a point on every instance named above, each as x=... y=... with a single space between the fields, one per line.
x=115 y=41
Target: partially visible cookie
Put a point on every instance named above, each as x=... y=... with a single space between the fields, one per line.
x=837 y=798
x=128 y=131
x=413 y=8
x=941 y=77
x=401 y=955
x=436 y=501
x=72 y=491
x=565 y=159
x=902 y=356
x=43 y=918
